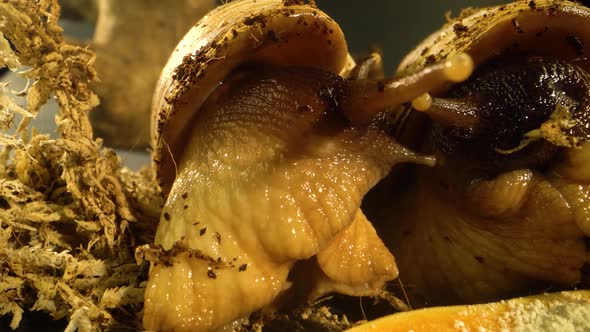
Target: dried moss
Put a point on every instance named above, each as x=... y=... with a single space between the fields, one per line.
x=70 y=215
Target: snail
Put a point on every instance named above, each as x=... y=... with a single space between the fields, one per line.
x=262 y=168
x=506 y=210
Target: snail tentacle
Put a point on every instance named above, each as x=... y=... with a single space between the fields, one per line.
x=366 y=66
x=448 y=111
x=363 y=99
x=505 y=210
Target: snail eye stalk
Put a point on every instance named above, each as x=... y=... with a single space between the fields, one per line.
x=461 y=113
x=362 y=100
x=511 y=113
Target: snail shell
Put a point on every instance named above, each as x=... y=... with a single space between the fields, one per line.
x=463 y=233
x=229 y=36
x=495 y=31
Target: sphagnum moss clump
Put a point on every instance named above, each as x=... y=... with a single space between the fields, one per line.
x=70 y=214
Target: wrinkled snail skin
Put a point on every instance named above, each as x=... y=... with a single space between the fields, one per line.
x=259 y=156
x=263 y=186
x=506 y=211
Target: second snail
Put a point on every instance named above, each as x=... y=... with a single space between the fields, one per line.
x=267 y=139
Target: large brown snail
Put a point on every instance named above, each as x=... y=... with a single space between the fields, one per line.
x=505 y=212
x=266 y=140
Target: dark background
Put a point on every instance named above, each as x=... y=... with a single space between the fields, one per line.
x=395 y=26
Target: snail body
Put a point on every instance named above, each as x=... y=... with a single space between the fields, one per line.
x=504 y=212
x=262 y=168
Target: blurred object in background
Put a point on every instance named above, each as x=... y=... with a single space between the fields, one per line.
x=132 y=40
x=79 y=10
